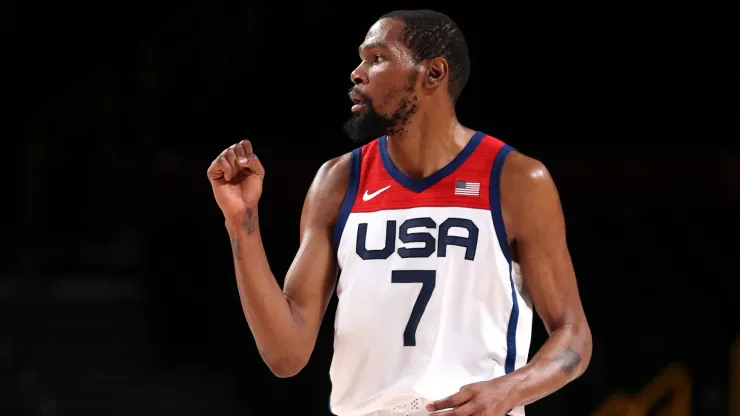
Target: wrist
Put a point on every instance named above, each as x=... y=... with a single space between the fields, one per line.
x=244 y=222
x=513 y=382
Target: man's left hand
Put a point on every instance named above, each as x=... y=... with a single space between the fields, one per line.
x=486 y=398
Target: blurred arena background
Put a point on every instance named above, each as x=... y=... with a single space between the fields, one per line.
x=117 y=294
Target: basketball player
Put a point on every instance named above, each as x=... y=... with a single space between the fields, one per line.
x=447 y=239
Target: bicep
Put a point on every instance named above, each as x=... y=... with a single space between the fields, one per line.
x=542 y=249
x=311 y=278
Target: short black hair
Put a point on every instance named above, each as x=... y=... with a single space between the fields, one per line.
x=430 y=34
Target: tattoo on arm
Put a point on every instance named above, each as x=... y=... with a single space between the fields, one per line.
x=249 y=224
x=235 y=249
x=568 y=360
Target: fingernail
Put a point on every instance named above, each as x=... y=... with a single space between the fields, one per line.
x=243 y=160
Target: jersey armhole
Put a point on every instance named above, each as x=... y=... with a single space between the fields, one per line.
x=355 y=161
x=494 y=194
x=503 y=241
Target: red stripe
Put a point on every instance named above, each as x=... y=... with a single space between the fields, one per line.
x=373 y=177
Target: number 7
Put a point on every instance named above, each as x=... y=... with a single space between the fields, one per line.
x=427 y=278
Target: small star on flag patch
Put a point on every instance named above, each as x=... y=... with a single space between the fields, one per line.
x=467 y=188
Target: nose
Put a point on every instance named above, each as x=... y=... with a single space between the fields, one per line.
x=358 y=76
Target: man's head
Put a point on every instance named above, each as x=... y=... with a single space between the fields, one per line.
x=410 y=59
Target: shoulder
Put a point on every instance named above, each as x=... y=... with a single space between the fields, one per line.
x=528 y=193
x=333 y=176
x=520 y=170
x=328 y=190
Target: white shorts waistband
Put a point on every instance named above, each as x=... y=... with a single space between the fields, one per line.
x=416 y=407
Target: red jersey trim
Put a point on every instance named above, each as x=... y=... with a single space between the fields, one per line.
x=466 y=186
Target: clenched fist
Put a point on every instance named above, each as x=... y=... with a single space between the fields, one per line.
x=236 y=177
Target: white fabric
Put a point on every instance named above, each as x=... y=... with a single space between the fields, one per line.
x=461 y=336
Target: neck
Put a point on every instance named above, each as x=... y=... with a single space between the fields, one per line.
x=428 y=142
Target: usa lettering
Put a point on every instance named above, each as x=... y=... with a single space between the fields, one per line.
x=412 y=231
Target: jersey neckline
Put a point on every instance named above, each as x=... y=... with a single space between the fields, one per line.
x=420 y=185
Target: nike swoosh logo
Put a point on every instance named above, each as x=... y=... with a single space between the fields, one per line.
x=367 y=196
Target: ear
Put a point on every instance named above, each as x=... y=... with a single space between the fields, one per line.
x=436 y=73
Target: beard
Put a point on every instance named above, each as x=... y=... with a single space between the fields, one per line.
x=371 y=124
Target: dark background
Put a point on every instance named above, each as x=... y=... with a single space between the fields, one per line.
x=117 y=294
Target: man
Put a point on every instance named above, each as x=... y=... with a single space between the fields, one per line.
x=445 y=238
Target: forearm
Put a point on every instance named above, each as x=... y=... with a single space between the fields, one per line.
x=563 y=358
x=265 y=307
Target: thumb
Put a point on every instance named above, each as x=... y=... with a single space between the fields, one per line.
x=252 y=163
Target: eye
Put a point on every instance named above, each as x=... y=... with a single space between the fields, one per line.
x=378 y=59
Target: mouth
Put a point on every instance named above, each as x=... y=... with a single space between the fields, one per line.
x=359 y=103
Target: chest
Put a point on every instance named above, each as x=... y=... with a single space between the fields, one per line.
x=432 y=235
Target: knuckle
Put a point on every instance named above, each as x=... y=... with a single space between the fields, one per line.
x=471 y=388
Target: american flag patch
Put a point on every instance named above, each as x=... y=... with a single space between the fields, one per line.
x=467 y=188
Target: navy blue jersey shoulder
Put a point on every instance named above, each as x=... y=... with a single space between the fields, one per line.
x=494 y=193
x=503 y=240
x=355 y=162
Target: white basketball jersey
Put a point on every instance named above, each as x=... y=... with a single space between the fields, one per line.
x=429 y=298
